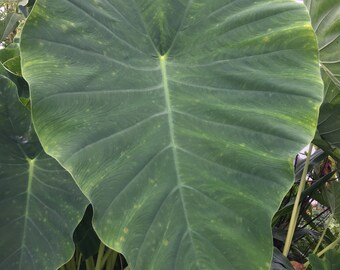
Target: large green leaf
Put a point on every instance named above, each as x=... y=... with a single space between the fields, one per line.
x=178 y=119
x=325 y=16
x=40 y=203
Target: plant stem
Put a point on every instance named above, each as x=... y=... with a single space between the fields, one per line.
x=109 y=265
x=106 y=256
x=71 y=265
x=112 y=260
x=323 y=234
x=329 y=247
x=79 y=261
x=89 y=263
x=100 y=256
x=296 y=208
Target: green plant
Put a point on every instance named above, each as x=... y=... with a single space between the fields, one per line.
x=178 y=120
x=326 y=23
x=40 y=202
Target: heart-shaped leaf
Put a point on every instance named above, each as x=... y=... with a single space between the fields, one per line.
x=40 y=203
x=178 y=119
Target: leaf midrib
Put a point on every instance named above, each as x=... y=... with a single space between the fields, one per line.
x=173 y=145
x=29 y=188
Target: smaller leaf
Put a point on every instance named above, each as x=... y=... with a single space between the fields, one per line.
x=280 y=262
x=329 y=119
x=325 y=21
x=281 y=234
x=331 y=261
x=39 y=201
x=332 y=195
x=10 y=23
x=10 y=57
x=310 y=191
x=9 y=52
x=316 y=158
x=13 y=65
x=317 y=184
x=326 y=147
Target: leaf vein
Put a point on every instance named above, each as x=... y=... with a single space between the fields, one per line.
x=103 y=26
x=120 y=132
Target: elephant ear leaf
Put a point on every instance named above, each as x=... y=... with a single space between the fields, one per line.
x=40 y=202
x=178 y=119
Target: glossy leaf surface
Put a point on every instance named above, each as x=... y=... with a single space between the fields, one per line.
x=178 y=119
x=40 y=203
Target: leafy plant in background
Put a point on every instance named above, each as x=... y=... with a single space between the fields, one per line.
x=177 y=120
x=313 y=231
x=12 y=13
